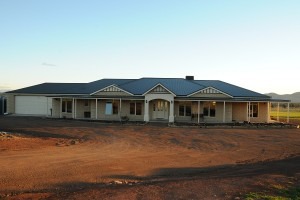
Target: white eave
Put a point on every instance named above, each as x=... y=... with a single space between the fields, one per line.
x=159 y=84
x=113 y=85
x=209 y=87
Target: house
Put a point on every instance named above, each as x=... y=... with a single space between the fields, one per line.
x=144 y=99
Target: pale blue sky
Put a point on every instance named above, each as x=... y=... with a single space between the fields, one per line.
x=254 y=44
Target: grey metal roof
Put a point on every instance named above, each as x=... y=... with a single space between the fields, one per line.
x=53 y=88
x=103 y=83
x=69 y=88
x=178 y=86
x=230 y=89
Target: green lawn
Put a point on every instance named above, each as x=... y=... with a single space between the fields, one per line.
x=294 y=115
x=280 y=194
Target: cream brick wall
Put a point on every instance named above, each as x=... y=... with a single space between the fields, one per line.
x=101 y=111
x=262 y=113
x=233 y=111
x=81 y=108
x=126 y=111
x=239 y=111
x=219 y=112
x=176 y=112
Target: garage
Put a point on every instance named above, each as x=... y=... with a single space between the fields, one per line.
x=33 y=105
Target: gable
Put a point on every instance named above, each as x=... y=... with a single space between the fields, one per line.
x=111 y=90
x=209 y=92
x=159 y=89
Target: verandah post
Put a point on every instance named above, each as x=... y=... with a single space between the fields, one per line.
x=224 y=109
x=288 y=113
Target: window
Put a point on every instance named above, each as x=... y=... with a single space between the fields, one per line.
x=111 y=108
x=185 y=110
x=135 y=108
x=181 y=110
x=115 y=108
x=253 y=109
x=108 y=108
x=138 y=108
x=209 y=109
x=66 y=106
x=69 y=106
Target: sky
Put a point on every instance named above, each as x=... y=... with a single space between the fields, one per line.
x=254 y=44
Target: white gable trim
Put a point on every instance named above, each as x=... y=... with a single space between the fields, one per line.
x=157 y=86
x=216 y=91
x=114 y=86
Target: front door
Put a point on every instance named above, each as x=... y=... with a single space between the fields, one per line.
x=160 y=109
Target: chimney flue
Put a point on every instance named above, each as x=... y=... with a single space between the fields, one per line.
x=189 y=78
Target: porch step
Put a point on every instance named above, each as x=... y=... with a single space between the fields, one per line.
x=158 y=123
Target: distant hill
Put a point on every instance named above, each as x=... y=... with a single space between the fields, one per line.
x=295 y=97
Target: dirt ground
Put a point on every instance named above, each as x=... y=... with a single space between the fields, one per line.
x=68 y=159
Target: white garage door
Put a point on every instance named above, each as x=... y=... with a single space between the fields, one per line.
x=32 y=105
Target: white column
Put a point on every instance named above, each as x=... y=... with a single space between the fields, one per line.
x=198 y=112
x=277 y=111
x=224 y=112
x=288 y=113
x=146 y=114
x=96 y=109
x=268 y=112
x=171 y=117
x=47 y=114
x=60 y=110
x=248 y=111
x=73 y=108
x=120 y=107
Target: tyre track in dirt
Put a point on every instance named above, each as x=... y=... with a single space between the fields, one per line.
x=106 y=152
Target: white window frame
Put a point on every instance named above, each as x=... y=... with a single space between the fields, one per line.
x=209 y=108
x=108 y=108
x=66 y=106
x=184 y=111
x=135 y=108
x=252 y=104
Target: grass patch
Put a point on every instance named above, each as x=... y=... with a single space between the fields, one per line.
x=281 y=194
x=293 y=114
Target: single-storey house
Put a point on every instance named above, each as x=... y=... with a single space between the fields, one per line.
x=144 y=99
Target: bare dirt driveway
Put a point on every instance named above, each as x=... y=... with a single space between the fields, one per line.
x=68 y=159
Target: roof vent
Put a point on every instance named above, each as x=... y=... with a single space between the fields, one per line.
x=189 y=78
